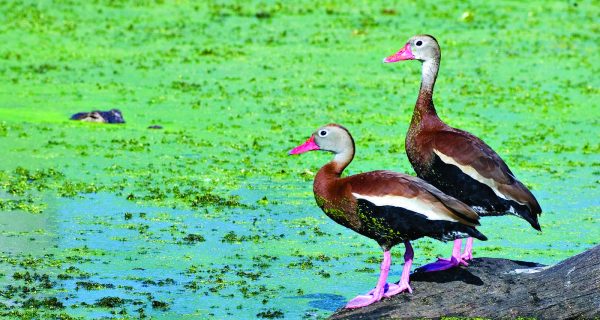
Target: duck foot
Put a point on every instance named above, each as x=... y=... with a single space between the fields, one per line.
x=391 y=289
x=362 y=301
x=445 y=264
x=442 y=264
x=394 y=289
x=405 y=278
x=384 y=289
x=371 y=297
x=377 y=293
x=468 y=254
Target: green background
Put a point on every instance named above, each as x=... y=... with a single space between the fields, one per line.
x=209 y=217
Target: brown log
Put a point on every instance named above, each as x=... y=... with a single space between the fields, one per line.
x=497 y=288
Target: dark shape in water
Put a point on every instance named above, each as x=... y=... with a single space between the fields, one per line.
x=111 y=116
x=324 y=301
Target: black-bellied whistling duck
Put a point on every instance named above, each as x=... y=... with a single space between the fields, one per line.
x=386 y=206
x=455 y=161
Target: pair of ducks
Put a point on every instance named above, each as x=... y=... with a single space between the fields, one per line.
x=459 y=179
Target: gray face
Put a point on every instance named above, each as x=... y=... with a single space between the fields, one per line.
x=333 y=138
x=424 y=47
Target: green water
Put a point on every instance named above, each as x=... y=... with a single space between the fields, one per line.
x=209 y=217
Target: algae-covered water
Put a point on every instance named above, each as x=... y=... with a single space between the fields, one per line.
x=208 y=217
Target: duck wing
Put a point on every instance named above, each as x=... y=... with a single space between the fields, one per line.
x=476 y=159
x=388 y=188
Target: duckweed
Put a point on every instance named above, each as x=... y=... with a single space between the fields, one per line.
x=209 y=217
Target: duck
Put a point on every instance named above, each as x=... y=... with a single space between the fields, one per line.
x=111 y=116
x=386 y=206
x=455 y=161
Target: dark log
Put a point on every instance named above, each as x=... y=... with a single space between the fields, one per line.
x=497 y=288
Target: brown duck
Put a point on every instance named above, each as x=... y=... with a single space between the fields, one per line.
x=386 y=206
x=455 y=161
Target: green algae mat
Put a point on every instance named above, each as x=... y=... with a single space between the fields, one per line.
x=208 y=217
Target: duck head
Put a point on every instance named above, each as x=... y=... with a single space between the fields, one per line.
x=332 y=137
x=420 y=47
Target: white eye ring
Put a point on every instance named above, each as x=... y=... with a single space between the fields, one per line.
x=323 y=133
x=419 y=43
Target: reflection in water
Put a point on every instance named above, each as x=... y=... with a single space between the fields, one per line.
x=324 y=301
x=23 y=232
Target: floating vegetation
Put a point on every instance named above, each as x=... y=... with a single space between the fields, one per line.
x=110 y=302
x=211 y=199
x=304 y=263
x=47 y=303
x=270 y=314
x=90 y=285
x=43 y=280
x=133 y=223
x=193 y=238
x=28 y=205
x=232 y=237
x=161 y=305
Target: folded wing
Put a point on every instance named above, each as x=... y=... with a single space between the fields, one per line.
x=387 y=188
x=477 y=160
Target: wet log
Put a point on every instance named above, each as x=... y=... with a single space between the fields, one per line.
x=497 y=288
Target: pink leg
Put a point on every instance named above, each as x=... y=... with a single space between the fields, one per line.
x=444 y=264
x=377 y=293
x=468 y=254
x=404 y=279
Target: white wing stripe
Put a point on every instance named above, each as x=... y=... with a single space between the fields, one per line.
x=471 y=172
x=412 y=204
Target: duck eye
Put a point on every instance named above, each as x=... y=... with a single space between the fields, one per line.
x=322 y=133
x=419 y=43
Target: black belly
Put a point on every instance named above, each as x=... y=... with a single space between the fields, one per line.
x=452 y=181
x=389 y=225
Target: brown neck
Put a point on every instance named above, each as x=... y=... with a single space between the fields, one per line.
x=424 y=107
x=332 y=171
x=340 y=161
